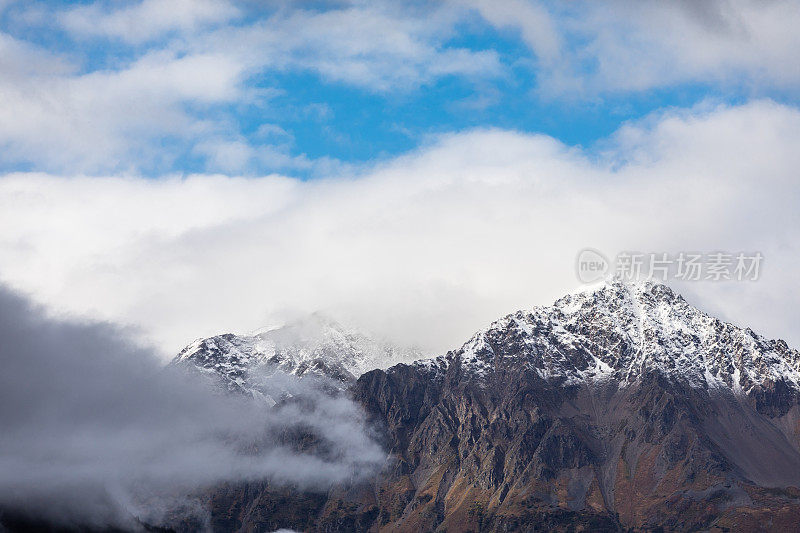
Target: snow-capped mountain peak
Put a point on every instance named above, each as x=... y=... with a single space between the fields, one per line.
x=626 y=330
x=315 y=345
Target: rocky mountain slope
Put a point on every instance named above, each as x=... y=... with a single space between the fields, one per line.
x=621 y=407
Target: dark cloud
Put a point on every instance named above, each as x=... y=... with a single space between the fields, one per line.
x=94 y=428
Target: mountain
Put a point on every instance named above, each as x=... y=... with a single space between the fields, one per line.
x=623 y=332
x=315 y=347
x=620 y=407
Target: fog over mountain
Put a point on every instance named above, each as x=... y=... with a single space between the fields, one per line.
x=95 y=430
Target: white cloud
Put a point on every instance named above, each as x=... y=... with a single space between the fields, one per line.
x=110 y=119
x=377 y=46
x=164 y=100
x=149 y=19
x=426 y=247
x=581 y=47
x=20 y=61
x=535 y=23
x=240 y=155
x=141 y=113
x=635 y=46
x=727 y=41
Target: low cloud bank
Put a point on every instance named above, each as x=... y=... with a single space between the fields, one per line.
x=95 y=430
x=425 y=248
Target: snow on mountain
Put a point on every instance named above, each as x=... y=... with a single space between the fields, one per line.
x=315 y=347
x=624 y=331
x=616 y=330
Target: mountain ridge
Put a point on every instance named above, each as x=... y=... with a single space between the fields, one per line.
x=617 y=408
x=622 y=329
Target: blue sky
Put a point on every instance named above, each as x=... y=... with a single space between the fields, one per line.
x=193 y=167
x=306 y=88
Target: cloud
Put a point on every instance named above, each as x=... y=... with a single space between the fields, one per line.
x=109 y=119
x=423 y=248
x=96 y=432
x=185 y=75
x=536 y=25
x=20 y=61
x=151 y=88
x=637 y=46
x=374 y=46
x=149 y=19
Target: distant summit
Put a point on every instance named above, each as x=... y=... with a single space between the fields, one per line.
x=315 y=347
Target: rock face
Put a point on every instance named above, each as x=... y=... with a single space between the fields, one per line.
x=619 y=407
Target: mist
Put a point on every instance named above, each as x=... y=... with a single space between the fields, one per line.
x=95 y=429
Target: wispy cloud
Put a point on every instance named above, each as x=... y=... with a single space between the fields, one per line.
x=150 y=19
